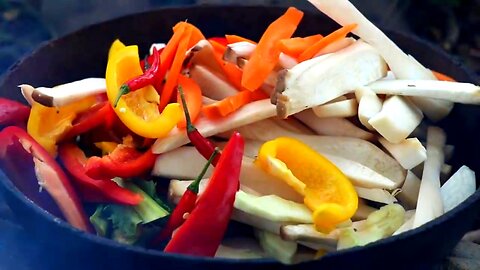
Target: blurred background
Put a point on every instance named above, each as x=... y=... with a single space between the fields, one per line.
x=452 y=24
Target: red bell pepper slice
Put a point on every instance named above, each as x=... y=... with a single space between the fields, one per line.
x=99 y=114
x=203 y=231
x=13 y=112
x=41 y=169
x=92 y=190
x=123 y=162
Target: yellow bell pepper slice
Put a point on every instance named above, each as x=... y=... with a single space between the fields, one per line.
x=138 y=110
x=48 y=125
x=328 y=192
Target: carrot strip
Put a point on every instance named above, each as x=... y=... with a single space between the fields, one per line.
x=168 y=53
x=443 y=77
x=322 y=43
x=193 y=97
x=230 y=104
x=295 y=46
x=196 y=36
x=217 y=46
x=266 y=54
x=234 y=39
x=231 y=71
x=176 y=68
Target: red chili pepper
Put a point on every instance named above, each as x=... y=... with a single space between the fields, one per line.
x=123 y=162
x=105 y=190
x=203 y=231
x=184 y=206
x=29 y=165
x=101 y=113
x=150 y=77
x=204 y=146
x=12 y=112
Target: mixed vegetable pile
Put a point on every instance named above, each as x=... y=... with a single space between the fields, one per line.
x=316 y=142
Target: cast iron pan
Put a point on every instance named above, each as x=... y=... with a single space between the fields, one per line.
x=83 y=54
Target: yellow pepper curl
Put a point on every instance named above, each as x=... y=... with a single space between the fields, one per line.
x=328 y=192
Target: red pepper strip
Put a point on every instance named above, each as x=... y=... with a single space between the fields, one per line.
x=205 y=226
x=148 y=78
x=204 y=146
x=123 y=162
x=37 y=167
x=13 y=112
x=101 y=113
x=184 y=206
x=74 y=161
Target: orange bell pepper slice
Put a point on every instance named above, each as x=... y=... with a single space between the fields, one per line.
x=193 y=98
x=328 y=192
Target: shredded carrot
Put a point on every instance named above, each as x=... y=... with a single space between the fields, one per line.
x=234 y=39
x=442 y=77
x=168 y=53
x=266 y=54
x=191 y=35
x=295 y=46
x=322 y=43
x=231 y=71
x=230 y=104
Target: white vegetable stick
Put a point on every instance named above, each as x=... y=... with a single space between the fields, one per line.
x=407 y=225
x=336 y=46
x=332 y=126
x=157 y=46
x=251 y=177
x=167 y=165
x=458 y=188
x=409 y=152
x=409 y=194
x=445 y=172
x=250 y=113
x=402 y=65
x=293 y=125
x=319 y=80
x=369 y=104
x=63 y=94
x=211 y=84
x=453 y=91
x=397 y=119
x=344 y=108
x=429 y=204
x=376 y=195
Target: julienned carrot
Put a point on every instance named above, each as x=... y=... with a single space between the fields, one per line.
x=266 y=54
x=193 y=96
x=196 y=36
x=168 y=53
x=295 y=46
x=175 y=68
x=443 y=77
x=218 y=47
x=234 y=39
x=322 y=43
x=230 y=104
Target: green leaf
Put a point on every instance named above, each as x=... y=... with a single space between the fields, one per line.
x=150 y=187
x=99 y=222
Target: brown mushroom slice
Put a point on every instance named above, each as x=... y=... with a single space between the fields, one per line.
x=315 y=82
x=64 y=94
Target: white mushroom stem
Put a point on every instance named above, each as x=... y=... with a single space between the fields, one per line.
x=343 y=108
x=212 y=85
x=369 y=104
x=250 y=113
x=453 y=91
x=402 y=65
x=458 y=188
x=409 y=191
x=397 y=119
x=429 y=204
x=336 y=46
x=243 y=50
x=64 y=94
x=376 y=195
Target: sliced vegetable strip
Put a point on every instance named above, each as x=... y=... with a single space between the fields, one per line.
x=322 y=43
x=12 y=112
x=266 y=54
x=296 y=46
x=443 y=77
x=234 y=39
x=205 y=227
x=74 y=161
x=185 y=205
x=328 y=192
x=99 y=114
x=193 y=97
x=231 y=104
